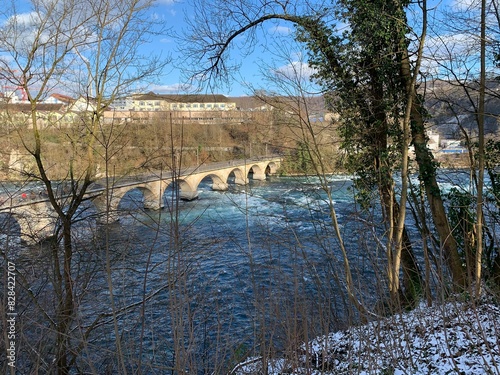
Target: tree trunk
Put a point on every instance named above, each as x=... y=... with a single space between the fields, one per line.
x=427 y=169
x=480 y=124
x=402 y=254
x=65 y=307
x=412 y=278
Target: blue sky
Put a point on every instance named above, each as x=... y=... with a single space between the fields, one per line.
x=276 y=55
x=250 y=74
x=278 y=52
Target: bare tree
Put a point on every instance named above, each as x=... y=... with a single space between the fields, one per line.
x=90 y=49
x=462 y=61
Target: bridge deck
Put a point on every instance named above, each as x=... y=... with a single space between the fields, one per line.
x=22 y=199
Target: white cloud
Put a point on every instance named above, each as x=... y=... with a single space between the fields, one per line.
x=6 y=59
x=465 y=4
x=20 y=30
x=451 y=44
x=24 y=19
x=174 y=88
x=280 y=30
x=165 y=2
x=295 y=70
x=451 y=51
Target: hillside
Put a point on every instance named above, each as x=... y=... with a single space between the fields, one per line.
x=452 y=111
x=453 y=338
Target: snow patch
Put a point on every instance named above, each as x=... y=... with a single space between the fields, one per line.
x=453 y=338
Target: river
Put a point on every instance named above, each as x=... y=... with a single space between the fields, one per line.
x=215 y=279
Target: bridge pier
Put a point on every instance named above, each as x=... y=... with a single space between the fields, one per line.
x=36 y=221
x=188 y=195
x=107 y=208
x=107 y=217
x=220 y=186
x=259 y=176
x=241 y=180
x=153 y=194
x=153 y=203
x=187 y=190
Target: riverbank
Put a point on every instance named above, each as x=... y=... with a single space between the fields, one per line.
x=458 y=337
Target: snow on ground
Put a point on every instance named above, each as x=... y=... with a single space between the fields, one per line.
x=454 y=338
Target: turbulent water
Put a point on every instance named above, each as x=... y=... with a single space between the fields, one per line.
x=252 y=261
x=255 y=264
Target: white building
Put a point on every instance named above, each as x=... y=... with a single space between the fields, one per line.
x=152 y=102
x=433 y=143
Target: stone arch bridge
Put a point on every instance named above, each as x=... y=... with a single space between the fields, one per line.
x=37 y=219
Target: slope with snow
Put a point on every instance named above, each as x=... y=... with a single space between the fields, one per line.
x=454 y=338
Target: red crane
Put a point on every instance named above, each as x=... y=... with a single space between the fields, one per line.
x=24 y=96
x=11 y=73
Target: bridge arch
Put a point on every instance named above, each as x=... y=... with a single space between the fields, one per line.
x=188 y=190
x=258 y=172
x=37 y=219
x=152 y=193
x=219 y=180
x=148 y=198
x=240 y=176
x=9 y=227
x=189 y=185
x=272 y=167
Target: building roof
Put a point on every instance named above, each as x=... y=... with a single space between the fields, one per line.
x=62 y=98
x=188 y=98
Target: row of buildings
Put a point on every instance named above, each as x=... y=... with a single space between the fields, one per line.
x=149 y=102
x=62 y=110
x=152 y=102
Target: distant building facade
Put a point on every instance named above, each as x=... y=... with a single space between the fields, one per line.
x=18 y=114
x=152 y=102
x=56 y=111
x=59 y=110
